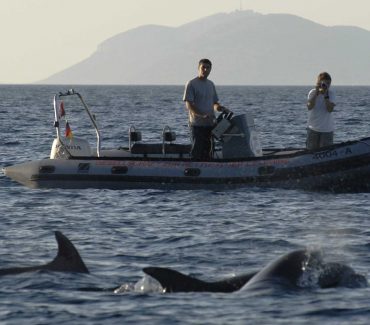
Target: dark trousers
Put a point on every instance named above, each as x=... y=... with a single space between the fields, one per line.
x=201 y=142
x=316 y=140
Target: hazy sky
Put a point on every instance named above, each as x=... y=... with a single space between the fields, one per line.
x=41 y=37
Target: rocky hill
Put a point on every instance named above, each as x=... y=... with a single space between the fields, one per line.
x=245 y=47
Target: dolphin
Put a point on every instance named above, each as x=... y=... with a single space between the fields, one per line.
x=67 y=260
x=288 y=270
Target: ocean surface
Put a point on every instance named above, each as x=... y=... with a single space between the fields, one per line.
x=208 y=234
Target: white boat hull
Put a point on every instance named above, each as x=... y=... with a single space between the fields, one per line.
x=341 y=167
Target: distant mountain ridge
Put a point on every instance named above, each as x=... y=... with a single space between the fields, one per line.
x=245 y=47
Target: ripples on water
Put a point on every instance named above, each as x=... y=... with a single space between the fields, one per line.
x=208 y=234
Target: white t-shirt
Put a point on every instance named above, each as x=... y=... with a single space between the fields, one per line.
x=319 y=119
x=203 y=94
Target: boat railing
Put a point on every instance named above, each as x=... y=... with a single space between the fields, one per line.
x=72 y=92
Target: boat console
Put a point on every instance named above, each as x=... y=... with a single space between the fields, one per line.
x=237 y=136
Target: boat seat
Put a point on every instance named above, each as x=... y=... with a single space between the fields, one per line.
x=164 y=148
x=177 y=148
x=146 y=148
x=169 y=136
x=133 y=136
x=157 y=148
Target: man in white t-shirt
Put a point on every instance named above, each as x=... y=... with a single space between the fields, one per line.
x=201 y=100
x=320 y=104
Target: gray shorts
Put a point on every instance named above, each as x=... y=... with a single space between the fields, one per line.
x=317 y=140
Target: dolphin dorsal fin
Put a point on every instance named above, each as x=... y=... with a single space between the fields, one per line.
x=68 y=259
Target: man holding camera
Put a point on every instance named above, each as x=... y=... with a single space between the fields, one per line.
x=320 y=104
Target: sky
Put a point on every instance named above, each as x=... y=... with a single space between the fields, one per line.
x=41 y=37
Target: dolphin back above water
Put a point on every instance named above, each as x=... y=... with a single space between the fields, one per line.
x=67 y=260
x=174 y=281
x=291 y=270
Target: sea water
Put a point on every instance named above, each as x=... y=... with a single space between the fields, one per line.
x=207 y=234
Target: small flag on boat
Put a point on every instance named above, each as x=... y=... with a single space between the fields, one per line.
x=69 y=133
x=61 y=110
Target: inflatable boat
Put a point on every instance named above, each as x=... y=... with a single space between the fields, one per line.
x=238 y=160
